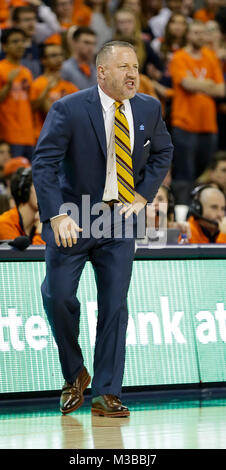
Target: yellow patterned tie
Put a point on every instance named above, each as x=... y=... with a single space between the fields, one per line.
x=123 y=156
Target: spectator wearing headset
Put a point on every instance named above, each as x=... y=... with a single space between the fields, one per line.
x=206 y=215
x=23 y=219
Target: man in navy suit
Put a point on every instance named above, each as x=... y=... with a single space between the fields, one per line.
x=76 y=156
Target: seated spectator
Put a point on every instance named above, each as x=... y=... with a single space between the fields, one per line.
x=72 y=12
x=5 y=155
x=16 y=122
x=49 y=87
x=158 y=214
x=206 y=215
x=197 y=79
x=80 y=68
x=10 y=167
x=101 y=22
x=23 y=219
x=25 y=18
x=208 y=12
x=216 y=171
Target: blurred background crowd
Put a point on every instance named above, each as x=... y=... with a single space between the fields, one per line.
x=48 y=50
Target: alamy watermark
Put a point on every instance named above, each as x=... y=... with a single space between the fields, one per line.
x=99 y=220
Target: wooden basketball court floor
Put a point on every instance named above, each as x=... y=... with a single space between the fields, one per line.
x=170 y=423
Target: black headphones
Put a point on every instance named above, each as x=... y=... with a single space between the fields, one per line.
x=195 y=207
x=23 y=187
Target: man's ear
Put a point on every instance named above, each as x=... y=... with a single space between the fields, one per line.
x=101 y=72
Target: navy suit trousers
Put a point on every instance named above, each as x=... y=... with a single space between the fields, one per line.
x=112 y=260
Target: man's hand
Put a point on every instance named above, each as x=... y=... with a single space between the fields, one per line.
x=65 y=228
x=136 y=206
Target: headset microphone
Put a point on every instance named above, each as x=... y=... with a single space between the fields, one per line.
x=198 y=216
x=196 y=206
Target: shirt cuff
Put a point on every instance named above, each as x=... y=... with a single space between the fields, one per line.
x=55 y=216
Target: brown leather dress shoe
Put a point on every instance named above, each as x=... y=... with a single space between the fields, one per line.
x=109 y=405
x=72 y=394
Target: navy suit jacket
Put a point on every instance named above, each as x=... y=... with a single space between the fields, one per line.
x=71 y=154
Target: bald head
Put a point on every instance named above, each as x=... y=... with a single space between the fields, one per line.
x=213 y=203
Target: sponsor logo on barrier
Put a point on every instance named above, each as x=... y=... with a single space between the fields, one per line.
x=163 y=327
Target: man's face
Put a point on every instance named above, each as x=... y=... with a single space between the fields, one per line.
x=85 y=47
x=213 y=204
x=4 y=154
x=125 y=23
x=219 y=174
x=15 y=46
x=53 y=58
x=64 y=8
x=174 y=5
x=119 y=77
x=196 y=35
x=27 y=22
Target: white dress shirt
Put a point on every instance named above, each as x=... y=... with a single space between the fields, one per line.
x=108 y=108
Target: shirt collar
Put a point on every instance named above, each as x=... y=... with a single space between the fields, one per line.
x=107 y=101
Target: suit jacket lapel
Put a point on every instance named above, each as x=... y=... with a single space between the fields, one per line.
x=94 y=109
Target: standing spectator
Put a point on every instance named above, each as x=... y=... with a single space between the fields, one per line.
x=80 y=68
x=127 y=29
x=158 y=22
x=16 y=124
x=217 y=41
x=187 y=9
x=40 y=30
x=72 y=12
x=208 y=12
x=100 y=21
x=49 y=87
x=25 y=18
x=197 y=80
x=173 y=39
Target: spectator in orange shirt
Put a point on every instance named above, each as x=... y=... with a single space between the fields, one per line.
x=208 y=12
x=23 y=219
x=16 y=122
x=197 y=79
x=206 y=215
x=49 y=87
x=36 y=32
